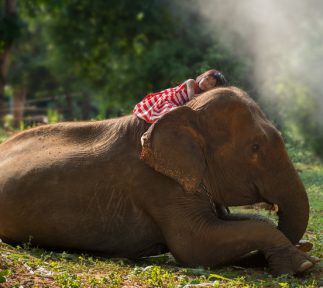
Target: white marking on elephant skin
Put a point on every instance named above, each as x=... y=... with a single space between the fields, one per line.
x=110 y=206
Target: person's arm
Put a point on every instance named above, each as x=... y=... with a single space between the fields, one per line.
x=190 y=86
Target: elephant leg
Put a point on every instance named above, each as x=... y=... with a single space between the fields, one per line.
x=255 y=258
x=221 y=242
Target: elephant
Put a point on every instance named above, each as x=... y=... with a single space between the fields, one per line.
x=126 y=188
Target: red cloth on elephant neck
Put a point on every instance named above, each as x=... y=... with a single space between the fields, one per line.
x=155 y=105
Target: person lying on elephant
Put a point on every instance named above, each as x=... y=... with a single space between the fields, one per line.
x=155 y=105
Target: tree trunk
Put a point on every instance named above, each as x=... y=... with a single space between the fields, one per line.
x=18 y=105
x=10 y=10
x=86 y=106
x=4 y=65
x=69 y=106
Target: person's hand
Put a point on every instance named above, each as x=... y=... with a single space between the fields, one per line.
x=190 y=86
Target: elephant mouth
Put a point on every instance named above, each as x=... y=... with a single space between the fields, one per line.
x=262 y=203
x=259 y=205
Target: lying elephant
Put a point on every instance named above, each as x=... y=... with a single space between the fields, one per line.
x=99 y=186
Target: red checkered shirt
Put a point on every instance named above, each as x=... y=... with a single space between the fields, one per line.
x=155 y=105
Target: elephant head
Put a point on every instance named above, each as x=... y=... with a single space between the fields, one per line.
x=223 y=139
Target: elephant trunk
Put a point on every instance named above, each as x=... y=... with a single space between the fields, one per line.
x=288 y=192
x=293 y=207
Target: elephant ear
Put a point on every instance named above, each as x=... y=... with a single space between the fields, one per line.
x=173 y=147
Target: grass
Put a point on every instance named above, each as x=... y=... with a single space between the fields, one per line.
x=25 y=266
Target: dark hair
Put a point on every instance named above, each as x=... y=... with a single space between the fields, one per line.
x=215 y=74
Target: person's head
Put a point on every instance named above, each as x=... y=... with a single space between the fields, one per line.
x=210 y=79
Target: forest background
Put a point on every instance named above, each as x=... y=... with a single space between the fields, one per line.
x=79 y=60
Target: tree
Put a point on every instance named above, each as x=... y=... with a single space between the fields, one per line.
x=111 y=54
x=9 y=31
x=124 y=49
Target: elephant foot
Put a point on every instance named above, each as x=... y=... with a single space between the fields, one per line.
x=289 y=261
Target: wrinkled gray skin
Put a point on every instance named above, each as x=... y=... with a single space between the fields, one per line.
x=93 y=186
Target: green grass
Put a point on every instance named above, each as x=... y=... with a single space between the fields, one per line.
x=33 y=267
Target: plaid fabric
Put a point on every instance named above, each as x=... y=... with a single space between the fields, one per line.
x=155 y=105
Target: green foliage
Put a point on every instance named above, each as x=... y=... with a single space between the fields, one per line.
x=3 y=135
x=53 y=116
x=300 y=113
x=8 y=122
x=10 y=28
x=156 y=277
x=96 y=59
x=114 y=56
x=69 y=280
x=4 y=274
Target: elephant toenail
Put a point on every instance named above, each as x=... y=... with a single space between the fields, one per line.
x=315 y=259
x=304 y=266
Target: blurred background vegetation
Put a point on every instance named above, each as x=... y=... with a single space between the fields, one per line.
x=79 y=59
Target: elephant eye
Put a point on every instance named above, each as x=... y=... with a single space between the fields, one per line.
x=255 y=147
